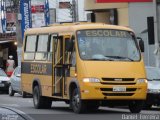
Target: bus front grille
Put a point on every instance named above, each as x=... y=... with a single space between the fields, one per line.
x=118 y=94
x=118 y=83
x=118 y=79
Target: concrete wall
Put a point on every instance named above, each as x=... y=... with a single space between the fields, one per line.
x=92 y=5
x=102 y=17
x=138 y=13
x=82 y=15
x=158 y=18
x=123 y=17
x=63 y=15
x=122 y=9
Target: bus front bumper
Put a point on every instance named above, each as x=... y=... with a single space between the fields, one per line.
x=97 y=91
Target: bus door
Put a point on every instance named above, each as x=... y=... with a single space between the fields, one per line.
x=68 y=51
x=57 y=65
x=62 y=47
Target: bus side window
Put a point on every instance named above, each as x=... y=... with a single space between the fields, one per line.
x=69 y=51
x=73 y=58
x=30 y=47
x=50 y=53
x=41 y=53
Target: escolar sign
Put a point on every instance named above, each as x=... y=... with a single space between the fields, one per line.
x=104 y=33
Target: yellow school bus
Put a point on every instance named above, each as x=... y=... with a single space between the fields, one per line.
x=87 y=65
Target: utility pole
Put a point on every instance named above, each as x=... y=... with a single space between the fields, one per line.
x=156 y=31
x=74 y=9
x=16 y=9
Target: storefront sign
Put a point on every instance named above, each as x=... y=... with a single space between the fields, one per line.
x=112 y=1
x=25 y=9
x=37 y=8
x=11 y=22
x=7 y=36
x=46 y=13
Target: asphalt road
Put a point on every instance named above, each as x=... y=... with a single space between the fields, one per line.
x=61 y=111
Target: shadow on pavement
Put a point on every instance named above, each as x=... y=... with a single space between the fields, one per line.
x=99 y=111
x=153 y=109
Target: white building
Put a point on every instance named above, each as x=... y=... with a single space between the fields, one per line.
x=63 y=12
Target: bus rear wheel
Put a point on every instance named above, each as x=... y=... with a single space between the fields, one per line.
x=39 y=101
x=136 y=106
x=78 y=105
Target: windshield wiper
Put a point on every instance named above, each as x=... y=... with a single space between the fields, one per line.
x=102 y=59
x=156 y=79
x=120 y=57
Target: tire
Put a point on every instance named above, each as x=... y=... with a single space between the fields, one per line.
x=39 y=101
x=136 y=106
x=24 y=94
x=78 y=105
x=11 y=91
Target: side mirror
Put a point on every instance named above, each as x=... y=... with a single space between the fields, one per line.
x=141 y=44
x=69 y=43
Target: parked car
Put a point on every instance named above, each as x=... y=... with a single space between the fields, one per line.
x=15 y=83
x=4 y=81
x=153 y=95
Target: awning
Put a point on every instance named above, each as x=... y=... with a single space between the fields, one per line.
x=7 y=41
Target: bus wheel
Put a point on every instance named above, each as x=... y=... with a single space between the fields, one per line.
x=24 y=94
x=39 y=101
x=11 y=91
x=136 y=106
x=77 y=104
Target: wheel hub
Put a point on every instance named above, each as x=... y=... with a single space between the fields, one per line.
x=10 y=89
x=76 y=101
x=35 y=98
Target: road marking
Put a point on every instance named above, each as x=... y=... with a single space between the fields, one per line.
x=10 y=105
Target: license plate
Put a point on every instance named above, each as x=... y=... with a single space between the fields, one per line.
x=119 y=89
x=1 y=85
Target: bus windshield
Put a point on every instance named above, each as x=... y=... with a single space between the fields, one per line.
x=104 y=44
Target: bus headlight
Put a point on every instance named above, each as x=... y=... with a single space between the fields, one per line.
x=140 y=81
x=92 y=80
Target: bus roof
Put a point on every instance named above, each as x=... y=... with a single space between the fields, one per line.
x=71 y=27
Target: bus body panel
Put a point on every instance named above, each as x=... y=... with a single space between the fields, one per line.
x=113 y=75
x=112 y=70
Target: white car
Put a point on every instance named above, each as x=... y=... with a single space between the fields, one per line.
x=15 y=83
x=153 y=95
x=4 y=81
